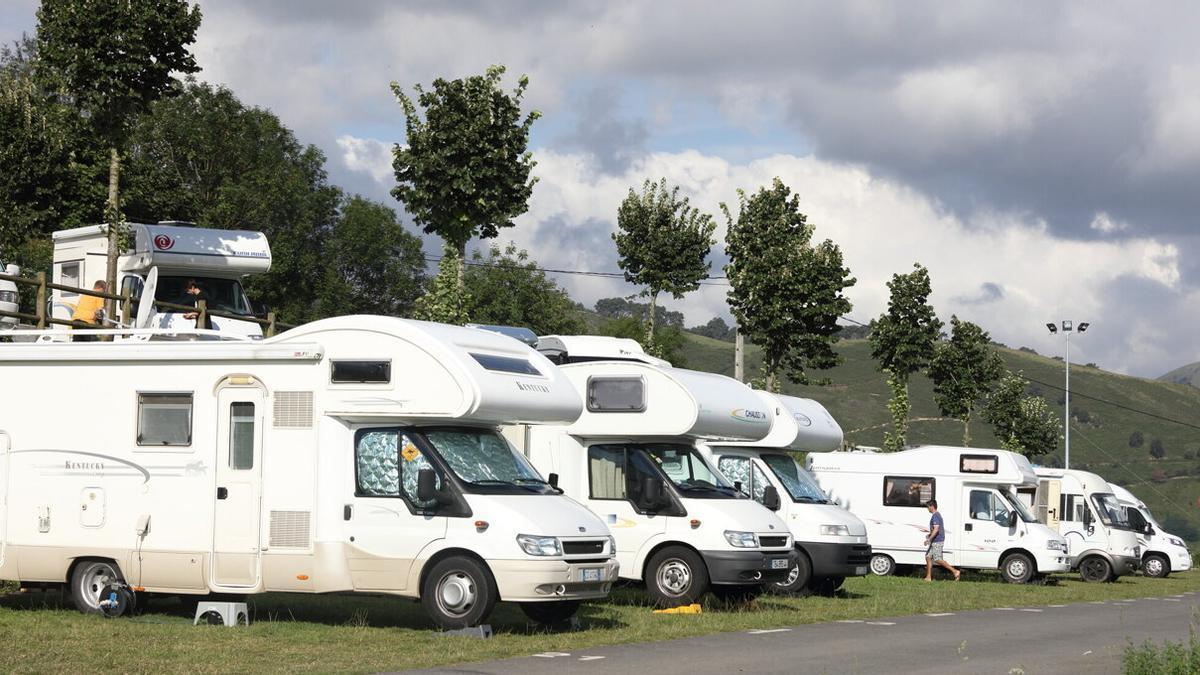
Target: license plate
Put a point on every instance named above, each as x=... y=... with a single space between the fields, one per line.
x=780 y=564
x=860 y=571
x=592 y=574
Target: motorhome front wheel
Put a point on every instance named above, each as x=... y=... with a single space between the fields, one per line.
x=1156 y=566
x=459 y=592
x=1095 y=569
x=676 y=576
x=88 y=580
x=1017 y=568
x=797 y=582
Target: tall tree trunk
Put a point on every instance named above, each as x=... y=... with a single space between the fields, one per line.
x=112 y=213
x=967 y=430
x=739 y=355
x=462 y=269
x=650 y=329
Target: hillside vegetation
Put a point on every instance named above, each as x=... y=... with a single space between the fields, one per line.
x=1101 y=432
x=1189 y=374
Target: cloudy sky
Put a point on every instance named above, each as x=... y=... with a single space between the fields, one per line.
x=1042 y=159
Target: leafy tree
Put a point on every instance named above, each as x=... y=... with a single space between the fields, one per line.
x=903 y=339
x=1136 y=439
x=206 y=157
x=717 y=329
x=372 y=265
x=464 y=171
x=507 y=288
x=113 y=59
x=669 y=340
x=787 y=292
x=1024 y=424
x=898 y=407
x=444 y=301
x=619 y=308
x=664 y=244
x=963 y=370
x=1157 y=451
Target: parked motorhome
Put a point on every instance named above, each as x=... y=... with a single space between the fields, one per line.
x=680 y=527
x=986 y=525
x=9 y=299
x=1162 y=552
x=217 y=260
x=358 y=453
x=1103 y=545
x=831 y=542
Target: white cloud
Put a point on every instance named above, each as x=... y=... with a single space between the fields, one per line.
x=368 y=155
x=1102 y=222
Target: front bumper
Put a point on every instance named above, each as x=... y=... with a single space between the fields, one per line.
x=1181 y=562
x=1125 y=564
x=748 y=567
x=837 y=560
x=1050 y=562
x=532 y=580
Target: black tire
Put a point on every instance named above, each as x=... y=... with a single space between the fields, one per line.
x=459 y=592
x=551 y=613
x=1017 y=568
x=882 y=565
x=675 y=576
x=1156 y=565
x=825 y=586
x=88 y=579
x=836 y=582
x=737 y=594
x=1095 y=569
x=797 y=580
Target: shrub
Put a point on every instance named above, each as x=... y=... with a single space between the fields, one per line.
x=1170 y=659
x=1157 y=451
x=1136 y=439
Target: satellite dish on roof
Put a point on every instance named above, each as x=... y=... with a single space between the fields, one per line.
x=146 y=305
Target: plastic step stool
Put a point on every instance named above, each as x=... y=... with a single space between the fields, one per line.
x=231 y=613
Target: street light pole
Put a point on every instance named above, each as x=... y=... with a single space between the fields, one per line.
x=1067 y=329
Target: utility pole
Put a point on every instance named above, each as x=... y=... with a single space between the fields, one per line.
x=1067 y=328
x=739 y=355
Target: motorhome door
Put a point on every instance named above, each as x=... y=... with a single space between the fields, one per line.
x=1046 y=502
x=239 y=487
x=985 y=530
x=4 y=447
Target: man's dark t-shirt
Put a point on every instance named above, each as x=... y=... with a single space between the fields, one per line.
x=936 y=519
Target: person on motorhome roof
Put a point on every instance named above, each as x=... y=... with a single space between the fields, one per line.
x=192 y=295
x=88 y=310
x=935 y=540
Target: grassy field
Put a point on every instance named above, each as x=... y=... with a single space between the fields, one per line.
x=1100 y=432
x=303 y=633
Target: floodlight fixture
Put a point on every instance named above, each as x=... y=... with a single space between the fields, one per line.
x=1066 y=325
x=1052 y=327
x=1083 y=326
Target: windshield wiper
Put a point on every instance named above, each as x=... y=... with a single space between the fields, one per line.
x=491 y=481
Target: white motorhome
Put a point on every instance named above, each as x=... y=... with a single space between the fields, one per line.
x=359 y=453
x=630 y=457
x=987 y=526
x=218 y=260
x=9 y=299
x=1103 y=545
x=1162 y=552
x=831 y=542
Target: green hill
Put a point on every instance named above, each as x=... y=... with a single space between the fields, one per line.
x=1189 y=374
x=1100 y=432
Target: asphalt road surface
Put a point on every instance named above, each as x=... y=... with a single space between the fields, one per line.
x=1079 y=638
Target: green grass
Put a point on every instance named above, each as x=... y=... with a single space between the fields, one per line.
x=1172 y=658
x=1100 y=434
x=338 y=633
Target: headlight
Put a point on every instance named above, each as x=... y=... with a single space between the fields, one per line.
x=741 y=539
x=542 y=546
x=835 y=530
x=1136 y=551
x=1177 y=541
x=8 y=296
x=1056 y=545
x=612 y=544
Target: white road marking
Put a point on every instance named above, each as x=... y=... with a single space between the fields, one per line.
x=881 y=623
x=1086 y=653
x=1029 y=609
x=763 y=631
x=1056 y=605
x=1172 y=599
x=851 y=621
x=551 y=655
x=941 y=614
x=1003 y=609
x=590 y=658
x=1097 y=602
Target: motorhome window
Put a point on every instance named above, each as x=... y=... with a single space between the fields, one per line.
x=742 y=470
x=616 y=394
x=684 y=466
x=132 y=287
x=164 y=419
x=241 y=435
x=908 y=491
x=614 y=471
x=1020 y=507
x=360 y=372
x=986 y=505
x=222 y=295
x=386 y=461
x=978 y=464
x=71 y=274
x=486 y=462
x=1071 y=508
x=798 y=482
x=1109 y=511
x=505 y=364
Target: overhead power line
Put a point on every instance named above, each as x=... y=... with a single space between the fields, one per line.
x=1131 y=409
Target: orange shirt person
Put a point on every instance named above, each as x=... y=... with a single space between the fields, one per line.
x=88 y=305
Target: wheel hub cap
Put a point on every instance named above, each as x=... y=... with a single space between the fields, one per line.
x=456 y=593
x=1017 y=568
x=1153 y=566
x=94 y=582
x=879 y=565
x=675 y=577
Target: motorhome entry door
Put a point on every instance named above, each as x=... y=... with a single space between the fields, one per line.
x=238 y=492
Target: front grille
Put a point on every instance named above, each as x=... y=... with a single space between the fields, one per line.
x=859 y=555
x=772 y=542
x=583 y=547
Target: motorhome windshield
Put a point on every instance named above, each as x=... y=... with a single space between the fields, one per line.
x=225 y=295
x=799 y=484
x=485 y=462
x=1108 y=508
x=1019 y=506
x=688 y=471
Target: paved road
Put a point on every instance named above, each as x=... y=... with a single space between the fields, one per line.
x=1080 y=638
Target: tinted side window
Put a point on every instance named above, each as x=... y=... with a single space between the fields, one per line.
x=907 y=491
x=606 y=471
x=616 y=394
x=164 y=419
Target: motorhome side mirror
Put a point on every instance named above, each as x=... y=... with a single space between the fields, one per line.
x=737 y=485
x=1012 y=519
x=427 y=486
x=771 y=498
x=552 y=479
x=652 y=493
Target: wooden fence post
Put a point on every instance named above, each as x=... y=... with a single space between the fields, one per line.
x=127 y=306
x=270 y=324
x=41 y=301
x=202 y=314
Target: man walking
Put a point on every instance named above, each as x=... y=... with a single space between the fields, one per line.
x=935 y=540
